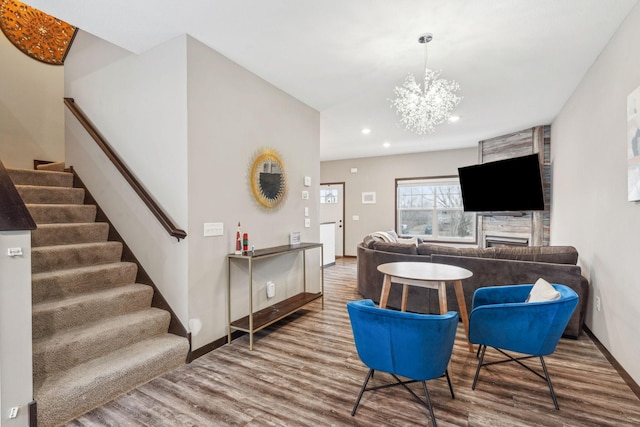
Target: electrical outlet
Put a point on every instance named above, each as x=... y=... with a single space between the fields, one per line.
x=13 y=412
x=598 y=305
x=271 y=289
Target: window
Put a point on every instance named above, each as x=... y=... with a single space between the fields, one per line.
x=431 y=208
x=329 y=196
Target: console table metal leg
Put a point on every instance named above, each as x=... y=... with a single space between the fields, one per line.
x=322 y=275
x=250 y=304
x=229 y=300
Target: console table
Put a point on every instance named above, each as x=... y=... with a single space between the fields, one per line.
x=258 y=320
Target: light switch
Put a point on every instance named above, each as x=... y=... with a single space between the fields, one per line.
x=305 y=195
x=306 y=211
x=14 y=252
x=213 y=229
x=307 y=222
x=307 y=181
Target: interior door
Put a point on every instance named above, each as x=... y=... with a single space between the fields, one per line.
x=332 y=210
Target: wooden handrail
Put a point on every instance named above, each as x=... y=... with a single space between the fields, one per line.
x=14 y=215
x=153 y=206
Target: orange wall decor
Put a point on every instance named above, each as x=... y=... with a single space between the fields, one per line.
x=35 y=33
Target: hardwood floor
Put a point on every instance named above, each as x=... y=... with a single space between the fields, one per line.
x=305 y=371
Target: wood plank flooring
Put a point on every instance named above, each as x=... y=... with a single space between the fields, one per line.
x=304 y=371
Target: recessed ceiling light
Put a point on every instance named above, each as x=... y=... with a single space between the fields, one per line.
x=386 y=145
x=454 y=119
x=366 y=131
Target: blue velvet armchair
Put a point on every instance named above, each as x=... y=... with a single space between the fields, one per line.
x=410 y=345
x=501 y=318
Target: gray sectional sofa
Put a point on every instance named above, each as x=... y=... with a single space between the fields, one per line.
x=490 y=267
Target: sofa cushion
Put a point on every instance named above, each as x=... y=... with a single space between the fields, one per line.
x=401 y=248
x=430 y=249
x=551 y=254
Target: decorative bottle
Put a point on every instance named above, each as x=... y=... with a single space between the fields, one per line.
x=245 y=243
x=238 y=241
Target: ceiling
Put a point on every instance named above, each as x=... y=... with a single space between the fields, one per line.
x=517 y=61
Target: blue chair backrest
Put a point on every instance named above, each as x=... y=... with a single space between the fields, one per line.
x=416 y=346
x=501 y=318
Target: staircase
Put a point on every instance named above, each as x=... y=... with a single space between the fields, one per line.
x=95 y=334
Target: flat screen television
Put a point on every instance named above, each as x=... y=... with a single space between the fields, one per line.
x=505 y=185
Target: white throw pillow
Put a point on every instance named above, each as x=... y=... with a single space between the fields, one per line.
x=408 y=241
x=543 y=291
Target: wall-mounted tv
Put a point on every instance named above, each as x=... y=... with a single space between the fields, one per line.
x=505 y=185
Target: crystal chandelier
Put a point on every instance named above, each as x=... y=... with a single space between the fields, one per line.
x=422 y=109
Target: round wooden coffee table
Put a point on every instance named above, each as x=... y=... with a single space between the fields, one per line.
x=427 y=275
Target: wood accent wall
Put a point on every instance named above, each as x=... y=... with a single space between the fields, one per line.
x=534 y=226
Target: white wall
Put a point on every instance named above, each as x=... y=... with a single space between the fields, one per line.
x=590 y=208
x=378 y=174
x=138 y=103
x=31 y=109
x=15 y=328
x=232 y=115
x=187 y=122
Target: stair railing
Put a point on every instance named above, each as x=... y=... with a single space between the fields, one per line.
x=14 y=215
x=144 y=195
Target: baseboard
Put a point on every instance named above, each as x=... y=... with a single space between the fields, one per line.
x=33 y=413
x=207 y=348
x=621 y=371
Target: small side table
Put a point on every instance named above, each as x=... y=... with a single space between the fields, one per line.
x=257 y=320
x=427 y=275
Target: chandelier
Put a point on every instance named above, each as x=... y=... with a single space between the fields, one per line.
x=421 y=109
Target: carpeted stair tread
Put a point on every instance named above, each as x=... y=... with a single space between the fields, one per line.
x=68 y=234
x=69 y=394
x=52 y=258
x=95 y=334
x=45 y=213
x=52 y=316
x=50 y=195
x=41 y=178
x=71 y=282
x=63 y=350
x=54 y=166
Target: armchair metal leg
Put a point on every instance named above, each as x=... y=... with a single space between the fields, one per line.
x=426 y=393
x=446 y=372
x=481 y=350
x=426 y=403
x=546 y=374
x=364 y=386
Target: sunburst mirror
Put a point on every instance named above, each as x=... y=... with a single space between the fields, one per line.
x=268 y=178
